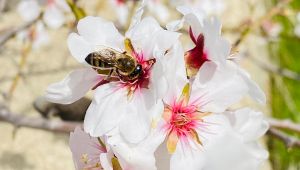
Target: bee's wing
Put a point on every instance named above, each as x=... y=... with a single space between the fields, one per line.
x=107 y=54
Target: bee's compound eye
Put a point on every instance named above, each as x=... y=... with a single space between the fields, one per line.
x=138 y=68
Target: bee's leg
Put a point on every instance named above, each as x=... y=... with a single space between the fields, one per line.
x=109 y=74
x=105 y=80
x=150 y=63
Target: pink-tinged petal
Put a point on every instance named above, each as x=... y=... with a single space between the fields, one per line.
x=29 y=15
x=103 y=115
x=79 y=47
x=53 y=17
x=85 y=150
x=98 y=31
x=73 y=87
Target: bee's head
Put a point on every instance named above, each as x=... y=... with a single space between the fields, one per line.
x=137 y=72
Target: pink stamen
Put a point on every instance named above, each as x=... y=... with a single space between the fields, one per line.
x=183 y=119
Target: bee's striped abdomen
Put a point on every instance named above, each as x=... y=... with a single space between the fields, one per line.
x=94 y=60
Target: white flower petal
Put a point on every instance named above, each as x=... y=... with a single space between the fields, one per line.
x=186 y=158
x=103 y=115
x=53 y=17
x=105 y=160
x=229 y=152
x=250 y=124
x=206 y=72
x=223 y=90
x=73 y=87
x=78 y=47
x=175 y=25
x=159 y=10
x=175 y=72
x=141 y=35
x=137 y=157
x=98 y=31
x=122 y=13
x=254 y=90
x=82 y=144
x=217 y=47
x=62 y=5
x=42 y=37
x=227 y=147
x=164 y=40
x=158 y=84
x=136 y=124
x=29 y=15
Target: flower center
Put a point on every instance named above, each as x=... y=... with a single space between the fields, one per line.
x=183 y=119
x=143 y=79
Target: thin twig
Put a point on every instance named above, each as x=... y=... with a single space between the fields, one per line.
x=289 y=141
x=284 y=124
x=12 y=32
x=19 y=120
x=24 y=55
x=276 y=70
x=41 y=72
x=252 y=25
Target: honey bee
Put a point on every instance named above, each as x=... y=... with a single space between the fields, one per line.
x=119 y=64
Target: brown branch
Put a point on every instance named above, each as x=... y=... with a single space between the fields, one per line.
x=289 y=141
x=276 y=70
x=12 y=32
x=41 y=72
x=19 y=120
x=284 y=124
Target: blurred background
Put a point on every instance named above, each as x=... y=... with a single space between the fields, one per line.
x=33 y=53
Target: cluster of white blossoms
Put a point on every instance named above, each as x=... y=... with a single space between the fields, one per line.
x=175 y=114
x=53 y=16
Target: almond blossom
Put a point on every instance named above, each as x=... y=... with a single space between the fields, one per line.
x=226 y=141
x=87 y=151
x=112 y=152
x=53 y=14
x=37 y=35
x=156 y=7
x=211 y=51
x=137 y=101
